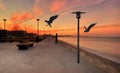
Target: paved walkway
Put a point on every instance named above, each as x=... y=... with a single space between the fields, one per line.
x=44 y=57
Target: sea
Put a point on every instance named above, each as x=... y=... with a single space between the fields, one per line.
x=105 y=45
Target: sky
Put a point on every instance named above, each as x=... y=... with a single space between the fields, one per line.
x=22 y=15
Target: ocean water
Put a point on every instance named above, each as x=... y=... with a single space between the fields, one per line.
x=106 y=45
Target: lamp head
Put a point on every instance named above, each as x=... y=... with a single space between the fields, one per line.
x=4 y=19
x=37 y=19
x=78 y=14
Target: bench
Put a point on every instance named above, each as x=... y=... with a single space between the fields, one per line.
x=24 y=45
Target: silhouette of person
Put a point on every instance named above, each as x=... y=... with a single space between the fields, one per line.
x=37 y=39
x=56 y=38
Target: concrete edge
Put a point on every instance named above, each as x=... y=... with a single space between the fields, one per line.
x=106 y=64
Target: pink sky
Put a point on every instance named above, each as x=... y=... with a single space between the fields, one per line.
x=22 y=14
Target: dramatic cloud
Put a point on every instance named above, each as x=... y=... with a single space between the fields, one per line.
x=85 y=3
x=65 y=6
x=44 y=8
x=17 y=27
x=57 y=5
x=21 y=17
x=18 y=18
x=91 y=2
x=37 y=10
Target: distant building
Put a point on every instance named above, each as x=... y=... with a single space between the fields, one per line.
x=17 y=33
x=3 y=33
x=31 y=35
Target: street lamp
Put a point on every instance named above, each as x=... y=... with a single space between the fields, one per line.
x=78 y=16
x=6 y=33
x=4 y=22
x=38 y=25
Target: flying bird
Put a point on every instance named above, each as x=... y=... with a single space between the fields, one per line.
x=89 y=27
x=52 y=18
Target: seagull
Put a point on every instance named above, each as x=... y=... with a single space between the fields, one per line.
x=52 y=18
x=89 y=27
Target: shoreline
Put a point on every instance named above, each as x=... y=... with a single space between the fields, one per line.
x=102 y=61
x=90 y=36
x=108 y=46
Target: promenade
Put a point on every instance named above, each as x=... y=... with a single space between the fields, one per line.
x=43 y=57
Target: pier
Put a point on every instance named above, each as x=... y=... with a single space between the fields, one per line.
x=43 y=57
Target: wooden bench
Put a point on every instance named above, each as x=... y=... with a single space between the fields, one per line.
x=24 y=45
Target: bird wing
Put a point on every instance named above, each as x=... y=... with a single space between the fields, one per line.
x=48 y=23
x=90 y=26
x=85 y=28
x=53 y=18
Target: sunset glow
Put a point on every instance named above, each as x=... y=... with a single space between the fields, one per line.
x=22 y=15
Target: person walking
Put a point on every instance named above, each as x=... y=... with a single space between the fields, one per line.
x=56 y=38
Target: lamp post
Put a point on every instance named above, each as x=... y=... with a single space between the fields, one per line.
x=78 y=16
x=4 y=22
x=6 y=33
x=38 y=26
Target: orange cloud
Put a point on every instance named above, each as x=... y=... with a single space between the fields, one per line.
x=17 y=27
x=37 y=10
x=21 y=17
x=30 y=28
x=17 y=19
x=57 y=5
x=66 y=6
x=26 y=16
